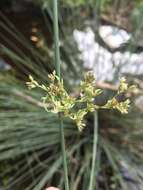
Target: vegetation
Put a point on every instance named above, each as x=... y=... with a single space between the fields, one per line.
x=29 y=136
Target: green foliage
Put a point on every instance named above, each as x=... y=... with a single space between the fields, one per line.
x=29 y=136
x=76 y=2
x=66 y=2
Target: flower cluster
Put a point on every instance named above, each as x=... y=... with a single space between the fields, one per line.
x=57 y=99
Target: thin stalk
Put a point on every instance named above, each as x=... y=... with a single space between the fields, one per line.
x=56 y=37
x=57 y=66
x=64 y=153
x=94 y=154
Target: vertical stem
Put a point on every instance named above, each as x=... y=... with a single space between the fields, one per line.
x=56 y=37
x=57 y=66
x=64 y=153
x=95 y=139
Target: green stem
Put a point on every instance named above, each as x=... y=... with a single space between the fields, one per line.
x=57 y=66
x=95 y=139
x=56 y=37
x=64 y=153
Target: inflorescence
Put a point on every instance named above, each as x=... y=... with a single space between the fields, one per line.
x=57 y=99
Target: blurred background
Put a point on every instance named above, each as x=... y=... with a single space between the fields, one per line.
x=105 y=36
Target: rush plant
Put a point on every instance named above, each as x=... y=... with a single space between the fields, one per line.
x=30 y=136
x=58 y=101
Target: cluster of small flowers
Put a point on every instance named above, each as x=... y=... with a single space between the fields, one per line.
x=57 y=99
